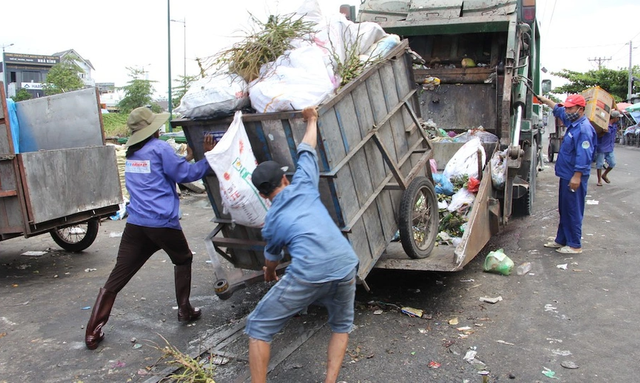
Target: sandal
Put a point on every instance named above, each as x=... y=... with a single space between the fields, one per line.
x=568 y=250
x=598 y=184
x=553 y=245
x=606 y=179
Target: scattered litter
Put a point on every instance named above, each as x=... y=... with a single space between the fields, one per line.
x=412 y=312
x=208 y=261
x=143 y=372
x=467 y=280
x=552 y=340
x=219 y=360
x=548 y=373
x=23 y=267
x=34 y=253
x=134 y=340
x=118 y=364
x=504 y=342
x=86 y=308
x=470 y=355
x=523 y=268
x=498 y=262
x=491 y=300
x=422 y=330
x=569 y=364
x=561 y=352
x=453 y=321
x=562 y=266
x=464 y=328
x=88 y=270
x=114 y=234
x=592 y=202
x=137 y=345
x=433 y=364
x=378 y=312
x=552 y=308
x=415 y=291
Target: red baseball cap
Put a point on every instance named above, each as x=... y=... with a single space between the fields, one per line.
x=573 y=100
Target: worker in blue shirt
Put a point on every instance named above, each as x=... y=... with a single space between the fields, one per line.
x=604 y=151
x=152 y=170
x=573 y=168
x=323 y=263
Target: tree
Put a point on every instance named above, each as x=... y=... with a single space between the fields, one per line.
x=137 y=91
x=612 y=81
x=181 y=90
x=21 y=95
x=64 y=76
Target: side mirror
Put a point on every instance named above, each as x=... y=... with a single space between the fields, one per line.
x=546 y=86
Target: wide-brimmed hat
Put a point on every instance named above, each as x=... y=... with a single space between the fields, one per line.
x=267 y=176
x=142 y=123
x=575 y=99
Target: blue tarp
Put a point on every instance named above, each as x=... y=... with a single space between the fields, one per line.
x=15 y=127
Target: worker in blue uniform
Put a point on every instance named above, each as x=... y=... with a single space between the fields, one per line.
x=573 y=168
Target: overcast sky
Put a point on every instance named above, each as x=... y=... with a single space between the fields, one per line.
x=117 y=34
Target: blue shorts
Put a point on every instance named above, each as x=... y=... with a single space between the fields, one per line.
x=609 y=157
x=291 y=295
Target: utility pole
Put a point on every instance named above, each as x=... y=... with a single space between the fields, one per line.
x=630 y=71
x=600 y=60
x=169 y=61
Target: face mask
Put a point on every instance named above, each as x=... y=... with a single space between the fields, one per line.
x=572 y=116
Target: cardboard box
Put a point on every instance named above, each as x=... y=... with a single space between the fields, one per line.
x=598 y=109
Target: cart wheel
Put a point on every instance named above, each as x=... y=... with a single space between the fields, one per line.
x=550 y=153
x=418 y=224
x=76 y=237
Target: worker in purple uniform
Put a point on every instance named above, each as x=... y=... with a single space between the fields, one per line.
x=152 y=170
x=604 y=151
x=323 y=263
x=572 y=167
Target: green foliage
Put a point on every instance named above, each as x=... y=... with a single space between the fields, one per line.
x=21 y=95
x=115 y=124
x=64 y=76
x=137 y=92
x=612 y=81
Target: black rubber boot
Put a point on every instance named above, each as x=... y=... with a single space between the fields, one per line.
x=186 y=313
x=99 y=317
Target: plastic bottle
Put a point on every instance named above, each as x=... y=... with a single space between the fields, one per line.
x=523 y=268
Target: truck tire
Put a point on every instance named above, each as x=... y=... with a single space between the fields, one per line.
x=550 y=153
x=418 y=223
x=76 y=237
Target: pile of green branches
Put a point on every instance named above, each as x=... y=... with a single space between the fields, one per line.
x=264 y=44
x=189 y=370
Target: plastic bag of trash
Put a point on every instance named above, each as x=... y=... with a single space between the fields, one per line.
x=498 y=262
x=461 y=201
x=214 y=96
x=233 y=162
x=442 y=184
x=498 y=169
x=465 y=161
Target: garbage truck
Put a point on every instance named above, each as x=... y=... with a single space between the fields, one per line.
x=374 y=153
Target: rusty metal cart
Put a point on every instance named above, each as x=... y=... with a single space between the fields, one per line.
x=374 y=178
x=64 y=178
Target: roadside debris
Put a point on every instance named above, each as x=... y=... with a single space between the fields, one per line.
x=562 y=266
x=569 y=364
x=34 y=253
x=548 y=373
x=434 y=365
x=504 y=342
x=491 y=300
x=523 y=268
x=412 y=312
x=498 y=262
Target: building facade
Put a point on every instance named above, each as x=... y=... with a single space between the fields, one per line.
x=29 y=72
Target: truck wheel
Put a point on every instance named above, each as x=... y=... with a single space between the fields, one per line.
x=550 y=153
x=76 y=237
x=418 y=223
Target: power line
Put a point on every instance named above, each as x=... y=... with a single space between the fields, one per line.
x=600 y=60
x=552 y=12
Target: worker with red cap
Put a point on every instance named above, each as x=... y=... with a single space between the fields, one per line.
x=573 y=168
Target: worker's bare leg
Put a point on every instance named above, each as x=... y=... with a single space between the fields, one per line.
x=335 y=355
x=599 y=172
x=259 y=354
x=604 y=175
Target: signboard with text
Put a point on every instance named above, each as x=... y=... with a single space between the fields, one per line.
x=18 y=58
x=31 y=85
